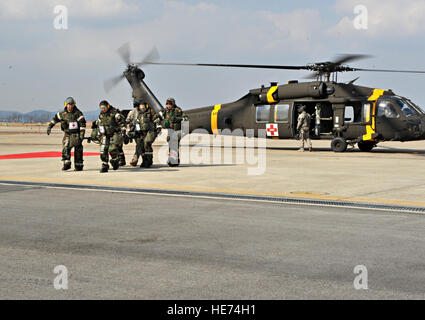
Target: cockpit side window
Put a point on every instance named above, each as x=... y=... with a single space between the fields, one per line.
x=387 y=109
x=415 y=106
x=406 y=108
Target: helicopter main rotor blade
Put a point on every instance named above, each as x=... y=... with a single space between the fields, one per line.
x=385 y=70
x=229 y=65
x=111 y=83
x=124 y=52
x=312 y=75
x=344 y=58
x=150 y=58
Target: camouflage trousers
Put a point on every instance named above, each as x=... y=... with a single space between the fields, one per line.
x=110 y=145
x=121 y=155
x=70 y=141
x=305 y=137
x=138 y=151
x=144 y=143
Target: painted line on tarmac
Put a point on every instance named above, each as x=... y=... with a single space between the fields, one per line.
x=226 y=196
x=204 y=190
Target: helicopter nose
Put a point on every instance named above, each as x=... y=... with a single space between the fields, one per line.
x=422 y=127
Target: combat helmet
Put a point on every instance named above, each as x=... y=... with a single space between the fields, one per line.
x=172 y=101
x=69 y=100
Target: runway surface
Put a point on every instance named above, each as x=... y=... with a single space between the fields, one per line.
x=127 y=245
x=392 y=174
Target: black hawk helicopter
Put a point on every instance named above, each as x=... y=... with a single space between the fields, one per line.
x=345 y=113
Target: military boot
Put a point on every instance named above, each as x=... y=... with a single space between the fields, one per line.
x=66 y=166
x=145 y=162
x=104 y=168
x=115 y=164
x=78 y=168
x=173 y=163
x=150 y=159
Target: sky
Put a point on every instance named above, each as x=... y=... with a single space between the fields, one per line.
x=40 y=66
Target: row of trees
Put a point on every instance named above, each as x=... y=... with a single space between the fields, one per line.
x=27 y=118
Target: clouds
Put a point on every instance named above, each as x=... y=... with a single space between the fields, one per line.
x=27 y=9
x=297 y=28
x=187 y=31
x=392 y=18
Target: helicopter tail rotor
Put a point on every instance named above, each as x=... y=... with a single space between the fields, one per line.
x=151 y=56
x=125 y=53
x=109 y=84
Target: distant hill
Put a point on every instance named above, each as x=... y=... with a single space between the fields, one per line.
x=38 y=116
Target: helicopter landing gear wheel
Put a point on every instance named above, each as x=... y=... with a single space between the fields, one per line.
x=339 y=145
x=366 y=146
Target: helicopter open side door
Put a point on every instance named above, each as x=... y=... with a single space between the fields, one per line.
x=322 y=118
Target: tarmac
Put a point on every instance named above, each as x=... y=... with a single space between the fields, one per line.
x=136 y=246
x=119 y=244
x=393 y=173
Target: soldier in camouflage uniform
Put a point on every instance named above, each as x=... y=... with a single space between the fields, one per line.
x=303 y=127
x=134 y=132
x=73 y=124
x=112 y=130
x=120 y=143
x=147 y=119
x=173 y=116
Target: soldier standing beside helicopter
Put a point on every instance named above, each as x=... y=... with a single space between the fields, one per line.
x=112 y=130
x=73 y=124
x=303 y=127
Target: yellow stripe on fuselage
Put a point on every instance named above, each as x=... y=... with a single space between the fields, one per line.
x=371 y=128
x=270 y=98
x=214 y=115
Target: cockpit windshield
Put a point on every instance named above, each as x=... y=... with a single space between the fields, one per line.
x=415 y=106
x=407 y=109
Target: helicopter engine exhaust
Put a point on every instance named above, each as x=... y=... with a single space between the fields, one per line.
x=295 y=91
